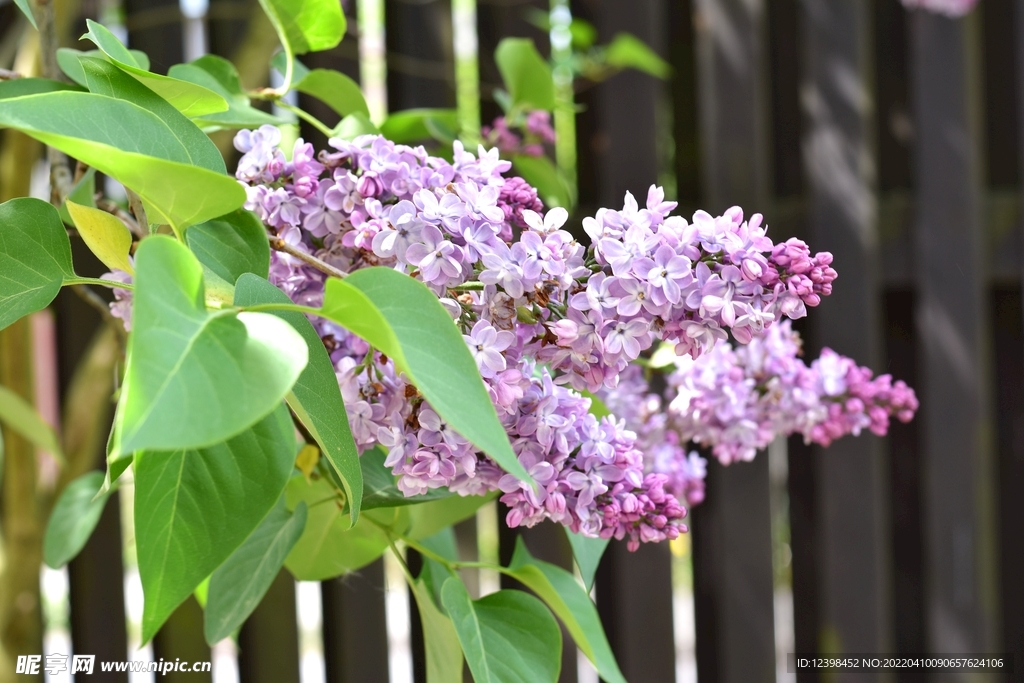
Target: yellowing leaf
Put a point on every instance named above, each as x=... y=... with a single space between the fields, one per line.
x=307 y=459
x=105 y=235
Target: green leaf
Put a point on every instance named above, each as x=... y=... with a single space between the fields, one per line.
x=193 y=508
x=331 y=546
x=219 y=75
x=190 y=99
x=551 y=185
x=526 y=74
x=195 y=378
x=403 y=319
x=19 y=87
x=354 y=125
x=441 y=642
x=238 y=585
x=130 y=144
x=105 y=235
x=626 y=51
x=306 y=25
x=316 y=396
x=587 y=552
x=567 y=599
x=103 y=78
x=231 y=245
x=68 y=61
x=19 y=416
x=26 y=8
x=83 y=194
x=334 y=89
x=73 y=519
x=35 y=257
x=507 y=637
x=410 y=125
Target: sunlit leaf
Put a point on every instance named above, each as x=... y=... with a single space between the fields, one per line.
x=130 y=144
x=587 y=552
x=410 y=125
x=195 y=378
x=26 y=8
x=221 y=76
x=403 y=319
x=441 y=642
x=306 y=25
x=188 y=98
x=105 y=235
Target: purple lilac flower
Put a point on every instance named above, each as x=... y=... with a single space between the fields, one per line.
x=533 y=298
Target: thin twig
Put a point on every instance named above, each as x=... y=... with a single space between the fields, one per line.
x=135 y=204
x=8 y=75
x=49 y=41
x=278 y=244
x=126 y=218
x=96 y=301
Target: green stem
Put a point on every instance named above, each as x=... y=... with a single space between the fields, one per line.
x=467 y=70
x=308 y=118
x=430 y=554
x=112 y=284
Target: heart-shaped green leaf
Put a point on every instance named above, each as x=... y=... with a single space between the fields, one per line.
x=527 y=76
x=195 y=378
x=331 y=546
x=404 y=320
x=306 y=25
x=219 y=75
x=238 y=585
x=35 y=257
x=231 y=245
x=566 y=598
x=130 y=144
x=507 y=637
x=104 y=234
x=190 y=99
x=73 y=519
x=193 y=508
x=336 y=90
x=316 y=396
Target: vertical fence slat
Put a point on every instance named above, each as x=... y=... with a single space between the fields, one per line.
x=732 y=552
x=97 y=608
x=851 y=492
x=421 y=71
x=618 y=151
x=952 y=326
x=181 y=637
x=904 y=445
x=355 y=629
x=268 y=644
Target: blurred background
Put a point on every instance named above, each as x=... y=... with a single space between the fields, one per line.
x=892 y=138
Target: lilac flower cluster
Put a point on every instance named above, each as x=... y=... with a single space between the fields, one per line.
x=950 y=8
x=542 y=314
x=737 y=400
x=526 y=136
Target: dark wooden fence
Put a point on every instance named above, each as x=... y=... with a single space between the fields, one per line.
x=892 y=139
